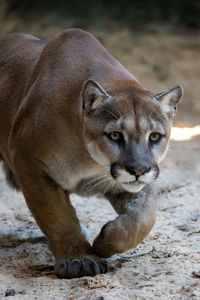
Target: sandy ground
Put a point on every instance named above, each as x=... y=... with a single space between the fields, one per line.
x=160 y=59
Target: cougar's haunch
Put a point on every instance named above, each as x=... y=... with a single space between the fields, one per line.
x=74 y=120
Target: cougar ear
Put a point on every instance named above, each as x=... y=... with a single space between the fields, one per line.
x=169 y=100
x=93 y=96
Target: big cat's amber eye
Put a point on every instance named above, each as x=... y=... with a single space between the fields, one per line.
x=115 y=135
x=155 y=137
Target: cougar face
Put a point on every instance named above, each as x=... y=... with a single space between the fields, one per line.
x=127 y=131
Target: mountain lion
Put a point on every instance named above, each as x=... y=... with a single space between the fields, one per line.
x=74 y=120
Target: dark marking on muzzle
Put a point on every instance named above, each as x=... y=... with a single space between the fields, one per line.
x=138 y=170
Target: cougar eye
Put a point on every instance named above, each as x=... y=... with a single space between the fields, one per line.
x=155 y=137
x=115 y=135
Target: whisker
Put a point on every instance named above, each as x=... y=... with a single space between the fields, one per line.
x=111 y=113
x=156 y=114
x=93 y=180
x=151 y=113
x=158 y=182
x=169 y=184
x=108 y=186
x=106 y=179
x=168 y=171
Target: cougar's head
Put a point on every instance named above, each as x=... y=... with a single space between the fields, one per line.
x=127 y=131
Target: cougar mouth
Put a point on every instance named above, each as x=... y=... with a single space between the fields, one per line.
x=131 y=182
x=136 y=184
x=133 y=186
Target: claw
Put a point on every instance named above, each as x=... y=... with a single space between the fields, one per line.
x=79 y=267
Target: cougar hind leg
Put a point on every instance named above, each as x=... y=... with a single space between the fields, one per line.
x=10 y=176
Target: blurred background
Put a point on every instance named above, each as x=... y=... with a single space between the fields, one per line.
x=102 y=12
x=158 y=41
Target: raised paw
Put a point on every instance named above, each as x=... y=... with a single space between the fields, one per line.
x=79 y=267
x=113 y=238
x=105 y=243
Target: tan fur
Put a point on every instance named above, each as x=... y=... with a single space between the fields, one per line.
x=59 y=101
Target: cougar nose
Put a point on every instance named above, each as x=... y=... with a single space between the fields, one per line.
x=138 y=170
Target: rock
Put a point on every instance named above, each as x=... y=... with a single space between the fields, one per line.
x=196 y=274
x=184 y=227
x=10 y=292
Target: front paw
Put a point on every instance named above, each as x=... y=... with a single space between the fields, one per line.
x=113 y=238
x=79 y=267
x=106 y=244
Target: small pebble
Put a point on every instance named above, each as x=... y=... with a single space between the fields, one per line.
x=10 y=292
x=196 y=274
x=195 y=217
x=184 y=227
